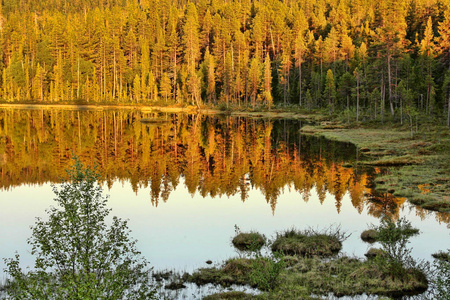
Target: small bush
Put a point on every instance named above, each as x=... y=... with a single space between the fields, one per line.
x=266 y=271
x=394 y=237
x=441 y=278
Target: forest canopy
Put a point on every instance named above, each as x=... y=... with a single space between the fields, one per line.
x=373 y=56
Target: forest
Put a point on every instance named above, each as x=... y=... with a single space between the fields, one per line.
x=367 y=59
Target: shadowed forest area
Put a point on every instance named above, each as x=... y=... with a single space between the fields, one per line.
x=366 y=58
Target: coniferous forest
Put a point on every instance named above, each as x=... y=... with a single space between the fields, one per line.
x=370 y=58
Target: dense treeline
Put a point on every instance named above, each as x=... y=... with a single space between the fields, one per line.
x=365 y=58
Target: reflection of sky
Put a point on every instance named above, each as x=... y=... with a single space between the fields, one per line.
x=186 y=231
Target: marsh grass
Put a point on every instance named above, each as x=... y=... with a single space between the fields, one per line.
x=423 y=159
x=369 y=236
x=373 y=253
x=309 y=242
x=249 y=241
x=304 y=273
x=349 y=276
x=233 y=271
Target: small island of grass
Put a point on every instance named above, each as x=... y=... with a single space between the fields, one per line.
x=307 y=243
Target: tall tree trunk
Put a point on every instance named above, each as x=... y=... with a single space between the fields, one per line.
x=115 y=76
x=448 y=109
x=300 y=84
x=391 y=104
x=175 y=76
x=383 y=98
x=401 y=110
x=357 y=97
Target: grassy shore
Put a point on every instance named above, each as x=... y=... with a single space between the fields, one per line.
x=420 y=164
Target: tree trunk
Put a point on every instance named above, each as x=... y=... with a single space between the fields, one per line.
x=300 y=84
x=411 y=126
x=357 y=98
x=401 y=110
x=448 y=109
x=175 y=75
x=391 y=104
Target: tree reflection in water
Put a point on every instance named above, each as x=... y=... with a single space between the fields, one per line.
x=215 y=155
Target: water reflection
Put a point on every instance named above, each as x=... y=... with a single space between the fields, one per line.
x=214 y=156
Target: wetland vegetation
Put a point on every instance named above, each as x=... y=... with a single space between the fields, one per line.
x=282 y=274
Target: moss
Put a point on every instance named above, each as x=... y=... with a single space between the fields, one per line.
x=251 y=241
x=369 y=236
x=306 y=243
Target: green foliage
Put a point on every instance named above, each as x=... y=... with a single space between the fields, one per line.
x=265 y=273
x=441 y=276
x=78 y=256
x=394 y=237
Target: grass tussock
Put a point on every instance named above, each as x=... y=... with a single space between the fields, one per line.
x=233 y=271
x=308 y=242
x=369 y=236
x=350 y=276
x=248 y=241
x=373 y=253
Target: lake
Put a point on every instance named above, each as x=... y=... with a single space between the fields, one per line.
x=185 y=181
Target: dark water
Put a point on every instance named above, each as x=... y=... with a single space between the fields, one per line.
x=187 y=180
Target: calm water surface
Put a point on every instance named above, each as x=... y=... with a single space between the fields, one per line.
x=186 y=182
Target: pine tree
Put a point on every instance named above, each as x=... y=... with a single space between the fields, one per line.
x=267 y=89
x=427 y=51
x=330 y=90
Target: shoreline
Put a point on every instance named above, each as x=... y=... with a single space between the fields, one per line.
x=165 y=109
